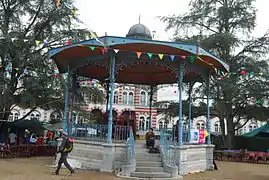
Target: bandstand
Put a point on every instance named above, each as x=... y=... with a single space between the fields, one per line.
x=137 y=59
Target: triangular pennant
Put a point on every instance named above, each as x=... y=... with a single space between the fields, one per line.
x=73 y=11
x=192 y=58
x=37 y=42
x=116 y=51
x=69 y=43
x=92 y=48
x=58 y=2
x=25 y=71
x=138 y=54
x=183 y=57
x=172 y=57
x=150 y=55
x=45 y=44
x=160 y=56
x=206 y=133
x=103 y=51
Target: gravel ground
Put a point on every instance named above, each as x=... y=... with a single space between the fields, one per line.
x=39 y=169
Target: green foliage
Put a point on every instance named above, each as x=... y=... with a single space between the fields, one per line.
x=32 y=82
x=224 y=28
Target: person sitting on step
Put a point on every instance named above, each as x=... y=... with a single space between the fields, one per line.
x=150 y=139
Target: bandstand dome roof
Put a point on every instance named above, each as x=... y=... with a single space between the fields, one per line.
x=138 y=59
x=139 y=31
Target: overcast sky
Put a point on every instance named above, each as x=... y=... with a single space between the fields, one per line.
x=116 y=17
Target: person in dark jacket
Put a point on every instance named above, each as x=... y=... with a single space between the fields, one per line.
x=150 y=138
x=65 y=148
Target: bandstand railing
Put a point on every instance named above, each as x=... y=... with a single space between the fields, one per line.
x=99 y=132
x=168 y=138
x=130 y=148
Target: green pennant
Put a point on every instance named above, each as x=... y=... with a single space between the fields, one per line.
x=192 y=59
x=258 y=101
x=92 y=48
x=150 y=55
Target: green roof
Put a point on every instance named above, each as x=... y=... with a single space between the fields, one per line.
x=262 y=129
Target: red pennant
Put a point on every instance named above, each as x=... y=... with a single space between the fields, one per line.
x=243 y=72
x=103 y=51
x=69 y=43
x=138 y=54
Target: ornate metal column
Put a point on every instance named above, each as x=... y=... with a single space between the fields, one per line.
x=180 y=118
x=111 y=96
x=208 y=112
x=64 y=125
x=190 y=118
x=150 y=105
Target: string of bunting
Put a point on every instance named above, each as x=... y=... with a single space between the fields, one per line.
x=223 y=75
x=150 y=55
x=75 y=14
x=26 y=71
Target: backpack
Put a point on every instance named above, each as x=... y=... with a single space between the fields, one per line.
x=69 y=145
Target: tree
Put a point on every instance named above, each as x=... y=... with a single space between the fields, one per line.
x=224 y=28
x=28 y=78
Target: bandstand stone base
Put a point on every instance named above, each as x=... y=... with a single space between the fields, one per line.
x=193 y=158
x=96 y=156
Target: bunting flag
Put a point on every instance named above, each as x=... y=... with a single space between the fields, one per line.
x=150 y=55
x=172 y=57
x=37 y=42
x=116 y=51
x=160 y=56
x=58 y=3
x=69 y=43
x=92 y=48
x=222 y=75
x=138 y=54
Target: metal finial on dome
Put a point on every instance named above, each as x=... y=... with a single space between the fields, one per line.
x=139 y=18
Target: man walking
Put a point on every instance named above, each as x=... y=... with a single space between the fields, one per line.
x=65 y=148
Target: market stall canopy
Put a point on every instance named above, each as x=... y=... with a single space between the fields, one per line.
x=138 y=61
x=262 y=131
x=32 y=125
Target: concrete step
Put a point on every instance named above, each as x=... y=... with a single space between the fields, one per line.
x=148 y=158
x=149 y=164
x=149 y=169
x=150 y=175
x=147 y=154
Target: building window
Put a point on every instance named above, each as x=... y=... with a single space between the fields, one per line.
x=37 y=116
x=184 y=126
x=131 y=98
x=143 y=98
x=200 y=125
x=32 y=116
x=16 y=117
x=148 y=99
x=116 y=97
x=165 y=125
x=217 y=127
x=10 y=117
x=251 y=127
x=161 y=124
x=124 y=98
x=141 y=123
x=147 y=123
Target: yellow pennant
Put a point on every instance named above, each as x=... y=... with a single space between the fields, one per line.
x=206 y=133
x=160 y=56
x=37 y=42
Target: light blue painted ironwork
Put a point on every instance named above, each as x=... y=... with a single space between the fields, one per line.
x=99 y=132
x=180 y=118
x=64 y=125
x=208 y=112
x=150 y=106
x=130 y=148
x=111 y=96
x=190 y=117
x=165 y=145
x=112 y=41
x=71 y=120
